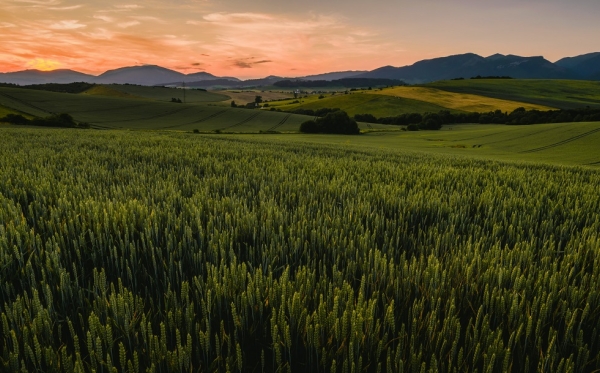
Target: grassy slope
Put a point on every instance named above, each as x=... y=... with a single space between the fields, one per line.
x=457 y=101
x=133 y=113
x=563 y=94
x=106 y=90
x=362 y=103
x=165 y=94
x=5 y=110
x=568 y=143
x=242 y=97
x=398 y=100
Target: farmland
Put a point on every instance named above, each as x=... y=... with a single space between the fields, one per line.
x=458 y=101
x=477 y=95
x=144 y=251
x=141 y=246
x=4 y=110
x=360 y=103
x=132 y=107
x=561 y=94
x=137 y=107
x=574 y=144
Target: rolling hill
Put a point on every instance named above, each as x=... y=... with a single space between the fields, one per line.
x=557 y=143
x=148 y=110
x=561 y=94
x=430 y=98
x=361 y=103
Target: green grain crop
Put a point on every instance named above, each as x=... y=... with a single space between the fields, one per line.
x=168 y=252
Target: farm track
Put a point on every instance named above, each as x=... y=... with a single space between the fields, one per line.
x=479 y=137
x=179 y=110
x=25 y=103
x=574 y=138
x=178 y=125
x=281 y=122
x=521 y=137
x=112 y=109
x=242 y=122
x=99 y=127
x=208 y=117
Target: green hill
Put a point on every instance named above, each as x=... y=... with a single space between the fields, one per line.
x=561 y=94
x=165 y=94
x=110 y=110
x=558 y=143
x=353 y=103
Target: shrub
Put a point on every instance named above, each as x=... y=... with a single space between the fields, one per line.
x=14 y=119
x=56 y=120
x=369 y=118
x=431 y=122
x=310 y=126
x=336 y=122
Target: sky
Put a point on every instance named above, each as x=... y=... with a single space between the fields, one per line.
x=257 y=38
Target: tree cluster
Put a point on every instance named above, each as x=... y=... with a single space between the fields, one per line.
x=347 y=83
x=485 y=77
x=78 y=87
x=315 y=113
x=518 y=116
x=55 y=120
x=337 y=122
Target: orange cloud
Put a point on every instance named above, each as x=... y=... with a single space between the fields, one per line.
x=94 y=39
x=43 y=64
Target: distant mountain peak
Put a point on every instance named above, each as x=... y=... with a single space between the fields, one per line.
x=469 y=65
x=495 y=56
x=586 y=66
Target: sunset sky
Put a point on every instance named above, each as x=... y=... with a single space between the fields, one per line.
x=256 y=38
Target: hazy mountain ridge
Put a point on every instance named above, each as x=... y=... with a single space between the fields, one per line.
x=469 y=65
x=586 y=65
x=62 y=76
x=337 y=75
x=466 y=65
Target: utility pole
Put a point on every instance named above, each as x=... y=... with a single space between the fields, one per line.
x=184 y=92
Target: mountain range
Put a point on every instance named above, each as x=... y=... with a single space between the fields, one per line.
x=467 y=65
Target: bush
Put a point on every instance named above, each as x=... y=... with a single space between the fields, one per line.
x=310 y=126
x=56 y=120
x=369 y=118
x=14 y=119
x=431 y=122
x=337 y=122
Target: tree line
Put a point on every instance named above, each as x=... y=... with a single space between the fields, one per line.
x=55 y=120
x=516 y=117
x=346 y=82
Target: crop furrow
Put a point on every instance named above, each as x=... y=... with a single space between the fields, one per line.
x=242 y=122
x=574 y=138
x=281 y=122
